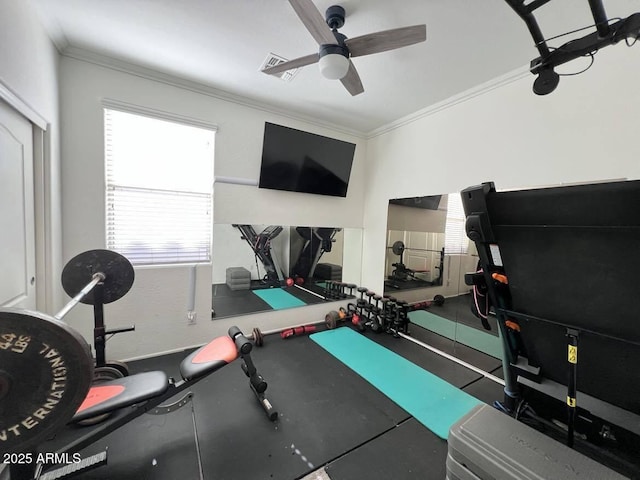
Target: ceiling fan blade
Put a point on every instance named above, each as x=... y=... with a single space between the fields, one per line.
x=351 y=81
x=314 y=21
x=386 y=40
x=291 y=64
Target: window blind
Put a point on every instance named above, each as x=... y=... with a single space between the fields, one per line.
x=159 y=178
x=456 y=240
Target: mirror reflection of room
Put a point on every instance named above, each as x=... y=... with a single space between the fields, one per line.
x=415 y=242
x=268 y=267
x=428 y=254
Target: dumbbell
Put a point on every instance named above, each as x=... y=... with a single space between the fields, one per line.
x=350 y=286
x=402 y=318
x=384 y=309
x=339 y=290
x=332 y=291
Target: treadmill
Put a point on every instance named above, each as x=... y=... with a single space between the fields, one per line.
x=559 y=266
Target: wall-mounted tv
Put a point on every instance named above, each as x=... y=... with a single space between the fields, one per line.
x=299 y=161
x=428 y=203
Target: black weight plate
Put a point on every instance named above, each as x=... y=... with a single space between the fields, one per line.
x=331 y=319
x=122 y=367
x=79 y=271
x=46 y=370
x=398 y=247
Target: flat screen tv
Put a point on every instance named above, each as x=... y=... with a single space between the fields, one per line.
x=299 y=161
x=428 y=203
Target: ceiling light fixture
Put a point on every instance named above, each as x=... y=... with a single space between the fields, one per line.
x=334 y=61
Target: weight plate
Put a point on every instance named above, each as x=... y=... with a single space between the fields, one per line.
x=258 y=338
x=331 y=319
x=101 y=375
x=122 y=367
x=45 y=373
x=398 y=248
x=79 y=271
x=438 y=300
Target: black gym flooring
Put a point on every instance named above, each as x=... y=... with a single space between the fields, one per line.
x=329 y=418
x=230 y=303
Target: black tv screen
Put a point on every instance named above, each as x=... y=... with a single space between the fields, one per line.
x=299 y=161
x=428 y=203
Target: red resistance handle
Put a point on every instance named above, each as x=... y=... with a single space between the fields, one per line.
x=290 y=332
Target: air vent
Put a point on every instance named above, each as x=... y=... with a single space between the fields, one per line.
x=272 y=60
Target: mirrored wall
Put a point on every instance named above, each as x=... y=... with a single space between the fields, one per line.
x=427 y=254
x=258 y=268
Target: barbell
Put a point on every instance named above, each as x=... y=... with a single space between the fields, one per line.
x=46 y=367
x=331 y=320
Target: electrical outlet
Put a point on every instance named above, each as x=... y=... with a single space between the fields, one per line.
x=191 y=318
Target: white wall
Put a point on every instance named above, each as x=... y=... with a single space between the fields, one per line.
x=416 y=219
x=586 y=130
x=29 y=71
x=157 y=303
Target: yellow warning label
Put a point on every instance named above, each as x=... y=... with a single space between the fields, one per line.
x=571 y=402
x=573 y=354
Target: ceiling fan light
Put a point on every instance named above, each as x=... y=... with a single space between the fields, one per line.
x=334 y=61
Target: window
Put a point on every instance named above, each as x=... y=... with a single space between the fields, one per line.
x=456 y=240
x=159 y=182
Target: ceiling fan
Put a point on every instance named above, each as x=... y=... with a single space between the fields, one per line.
x=336 y=50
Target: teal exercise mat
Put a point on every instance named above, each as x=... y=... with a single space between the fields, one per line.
x=429 y=399
x=469 y=336
x=278 y=298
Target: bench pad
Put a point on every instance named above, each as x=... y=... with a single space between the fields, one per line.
x=122 y=392
x=209 y=358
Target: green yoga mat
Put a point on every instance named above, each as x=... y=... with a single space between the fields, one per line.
x=429 y=399
x=279 y=299
x=469 y=336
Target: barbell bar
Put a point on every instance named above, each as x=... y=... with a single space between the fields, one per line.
x=97 y=278
x=330 y=321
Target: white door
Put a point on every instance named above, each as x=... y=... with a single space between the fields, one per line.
x=17 y=231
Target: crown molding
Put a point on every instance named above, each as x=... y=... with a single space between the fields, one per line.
x=52 y=28
x=197 y=87
x=201 y=88
x=462 y=97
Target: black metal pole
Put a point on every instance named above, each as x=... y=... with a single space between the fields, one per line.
x=600 y=17
x=99 y=332
x=530 y=20
x=572 y=359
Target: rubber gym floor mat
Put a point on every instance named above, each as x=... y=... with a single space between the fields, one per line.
x=325 y=409
x=306 y=297
x=444 y=368
x=434 y=402
x=239 y=305
x=159 y=447
x=278 y=299
x=472 y=337
x=486 y=390
x=407 y=452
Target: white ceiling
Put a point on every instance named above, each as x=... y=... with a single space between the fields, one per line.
x=223 y=43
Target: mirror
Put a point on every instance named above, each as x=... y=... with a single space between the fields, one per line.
x=427 y=254
x=415 y=243
x=265 y=267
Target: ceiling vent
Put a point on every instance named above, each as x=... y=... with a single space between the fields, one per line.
x=272 y=60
